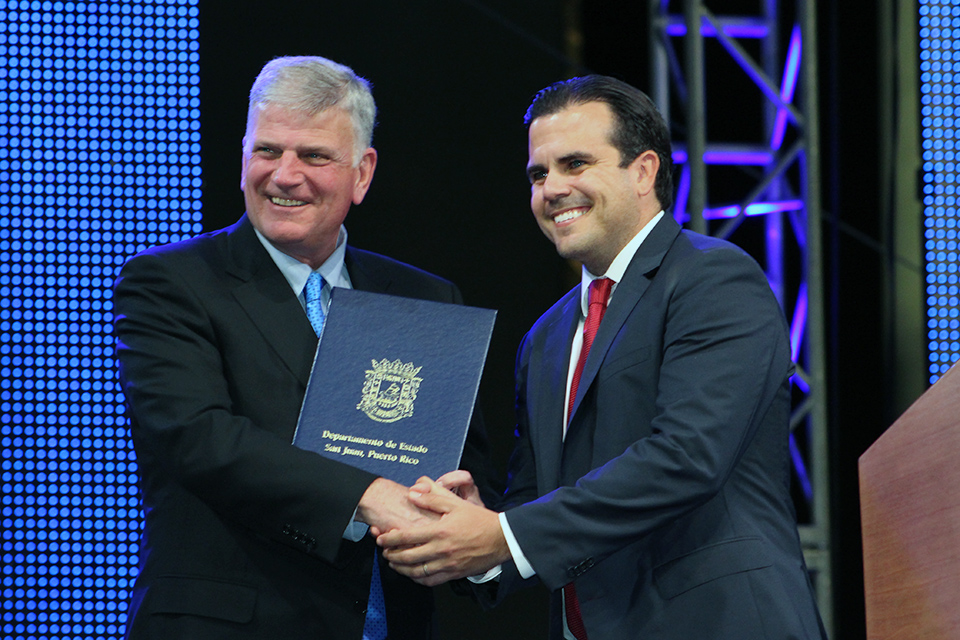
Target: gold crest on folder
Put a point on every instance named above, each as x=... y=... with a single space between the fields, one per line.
x=389 y=390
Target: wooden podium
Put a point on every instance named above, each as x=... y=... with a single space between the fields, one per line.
x=910 y=517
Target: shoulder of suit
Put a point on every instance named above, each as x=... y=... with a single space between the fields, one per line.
x=201 y=256
x=557 y=310
x=385 y=264
x=690 y=242
x=703 y=242
x=698 y=256
x=196 y=244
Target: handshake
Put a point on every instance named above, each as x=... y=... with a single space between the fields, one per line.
x=434 y=531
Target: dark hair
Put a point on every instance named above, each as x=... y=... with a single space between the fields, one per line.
x=638 y=124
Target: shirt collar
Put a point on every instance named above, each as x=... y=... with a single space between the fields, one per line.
x=333 y=270
x=619 y=265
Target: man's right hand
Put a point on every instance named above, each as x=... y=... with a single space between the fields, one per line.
x=466 y=541
x=385 y=506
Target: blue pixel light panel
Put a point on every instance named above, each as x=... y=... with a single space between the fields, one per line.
x=99 y=158
x=940 y=101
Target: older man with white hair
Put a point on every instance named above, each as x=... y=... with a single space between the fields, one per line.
x=247 y=536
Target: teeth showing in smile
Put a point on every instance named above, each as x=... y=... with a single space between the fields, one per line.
x=568 y=215
x=283 y=202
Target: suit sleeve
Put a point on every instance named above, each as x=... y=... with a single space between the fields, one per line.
x=522 y=481
x=189 y=429
x=723 y=358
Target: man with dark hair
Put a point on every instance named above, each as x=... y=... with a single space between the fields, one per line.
x=245 y=535
x=637 y=125
x=649 y=487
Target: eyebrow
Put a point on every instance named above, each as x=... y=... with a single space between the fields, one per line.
x=564 y=159
x=535 y=167
x=299 y=149
x=318 y=149
x=577 y=155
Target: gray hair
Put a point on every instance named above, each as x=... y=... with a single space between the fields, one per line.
x=311 y=84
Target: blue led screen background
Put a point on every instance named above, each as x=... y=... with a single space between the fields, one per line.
x=940 y=114
x=99 y=158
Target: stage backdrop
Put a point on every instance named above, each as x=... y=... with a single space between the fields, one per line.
x=120 y=125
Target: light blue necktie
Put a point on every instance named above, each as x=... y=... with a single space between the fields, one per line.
x=375 y=627
x=311 y=295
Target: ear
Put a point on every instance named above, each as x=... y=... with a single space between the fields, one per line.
x=645 y=167
x=368 y=163
x=243 y=163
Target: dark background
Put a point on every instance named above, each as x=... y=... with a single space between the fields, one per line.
x=452 y=79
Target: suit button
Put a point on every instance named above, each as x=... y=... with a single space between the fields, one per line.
x=580 y=569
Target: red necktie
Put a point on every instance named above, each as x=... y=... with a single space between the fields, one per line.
x=599 y=294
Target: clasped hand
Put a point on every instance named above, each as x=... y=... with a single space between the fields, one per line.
x=466 y=540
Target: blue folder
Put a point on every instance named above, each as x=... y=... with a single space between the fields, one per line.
x=394 y=384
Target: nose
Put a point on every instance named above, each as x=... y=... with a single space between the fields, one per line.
x=555 y=186
x=287 y=172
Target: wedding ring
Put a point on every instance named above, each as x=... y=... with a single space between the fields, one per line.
x=426 y=574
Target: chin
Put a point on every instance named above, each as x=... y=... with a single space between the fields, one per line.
x=280 y=228
x=279 y=236
x=568 y=250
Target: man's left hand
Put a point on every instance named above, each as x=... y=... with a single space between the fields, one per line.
x=466 y=541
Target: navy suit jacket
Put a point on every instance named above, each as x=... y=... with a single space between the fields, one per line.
x=243 y=531
x=668 y=503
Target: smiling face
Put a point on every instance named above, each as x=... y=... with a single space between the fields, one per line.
x=584 y=201
x=299 y=179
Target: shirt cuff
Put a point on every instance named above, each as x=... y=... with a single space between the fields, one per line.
x=355 y=531
x=491 y=574
x=523 y=565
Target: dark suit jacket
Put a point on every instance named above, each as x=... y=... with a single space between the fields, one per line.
x=243 y=531
x=669 y=501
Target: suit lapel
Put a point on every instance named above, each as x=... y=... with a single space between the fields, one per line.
x=627 y=296
x=551 y=368
x=267 y=298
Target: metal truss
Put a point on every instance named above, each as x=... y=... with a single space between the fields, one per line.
x=768 y=182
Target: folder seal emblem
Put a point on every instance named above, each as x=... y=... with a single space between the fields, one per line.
x=389 y=390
